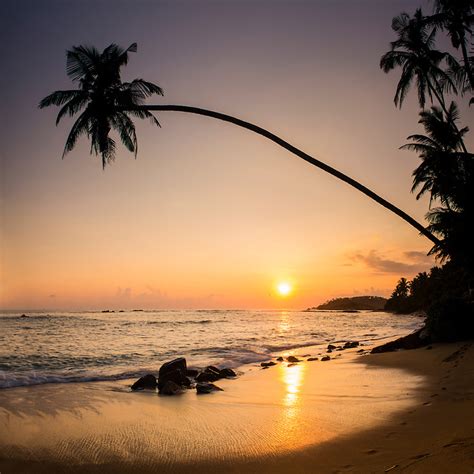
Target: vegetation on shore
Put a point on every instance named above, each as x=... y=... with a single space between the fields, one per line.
x=355 y=303
x=446 y=171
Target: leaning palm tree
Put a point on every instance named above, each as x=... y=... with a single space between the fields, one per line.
x=108 y=103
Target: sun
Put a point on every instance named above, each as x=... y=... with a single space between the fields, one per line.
x=284 y=288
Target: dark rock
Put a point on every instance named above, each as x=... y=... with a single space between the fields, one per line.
x=360 y=351
x=329 y=350
x=207 y=388
x=414 y=340
x=209 y=374
x=148 y=381
x=192 y=373
x=325 y=358
x=331 y=347
x=170 y=388
x=291 y=364
x=226 y=372
x=280 y=359
x=176 y=376
x=268 y=364
x=351 y=344
x=292 y=359
x=312 y=358
x=174 y=371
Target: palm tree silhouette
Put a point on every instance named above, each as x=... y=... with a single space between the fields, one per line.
x=413 y=52
x=443 y=166
x=108 y=103
x=447 y=173
x=456 y=17
x=107 y=100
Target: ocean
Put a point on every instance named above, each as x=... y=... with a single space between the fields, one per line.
x=66 y=347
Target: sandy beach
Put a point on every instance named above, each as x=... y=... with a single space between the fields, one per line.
x=409 y=411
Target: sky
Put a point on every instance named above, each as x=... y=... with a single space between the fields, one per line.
x=209 y=215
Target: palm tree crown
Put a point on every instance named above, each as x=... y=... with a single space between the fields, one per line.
x=443 y=169
x=107 y=101
x=413 y=52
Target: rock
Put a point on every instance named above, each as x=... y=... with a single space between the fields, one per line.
x=329 y=351
x=312 y=358
x=209 y=374
x=267 y=364
x=148 y=381
x=412 y=341
x=207 y=388
x=192 y=373
x=331 y=347
x=170 y=388
x=280 y=359
x=226 y=372
x=360 y=351
x=351 y=344
x=291 y=364
x=174 y=371
x=292 y=359
x=325 y=358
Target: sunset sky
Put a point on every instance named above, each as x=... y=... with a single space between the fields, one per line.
x=209 y=215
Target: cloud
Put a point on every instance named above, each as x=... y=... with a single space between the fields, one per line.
x=414 y=262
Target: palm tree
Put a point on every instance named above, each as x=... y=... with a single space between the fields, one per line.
x=413 y=51
x=456 y=17
x=442 y=171
x=108 y=103
x=447 y=173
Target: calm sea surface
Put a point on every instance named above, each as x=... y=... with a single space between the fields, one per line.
x=81 y=346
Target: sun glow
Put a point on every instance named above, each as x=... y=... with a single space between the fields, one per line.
x=284 y=288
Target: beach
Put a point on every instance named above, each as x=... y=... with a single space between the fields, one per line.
x=406 y=411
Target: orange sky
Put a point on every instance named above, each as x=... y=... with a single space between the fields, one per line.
x=209 y=215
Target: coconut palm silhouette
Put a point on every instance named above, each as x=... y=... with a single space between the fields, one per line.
x=108 y=104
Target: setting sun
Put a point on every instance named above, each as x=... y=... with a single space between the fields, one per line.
x=284 y=288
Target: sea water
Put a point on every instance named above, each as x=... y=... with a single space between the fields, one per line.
x=60 y=347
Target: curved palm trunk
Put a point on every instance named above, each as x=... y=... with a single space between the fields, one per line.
x=319 y=164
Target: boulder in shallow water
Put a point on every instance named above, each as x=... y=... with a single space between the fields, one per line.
x=280 y=359
x=351 y=344
x=192 y=373
x=174 y=371
x=292 y=359
x=209 y=374
x=170 y=388
x=267 y=364
x=148 y=381
x=331 y=347
x=311 y=359
x=226 y=372
x=205 y=387
x=325 y=358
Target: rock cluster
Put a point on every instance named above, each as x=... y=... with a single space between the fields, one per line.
x=174 y=377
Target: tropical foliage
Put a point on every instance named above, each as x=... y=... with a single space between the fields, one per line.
x=108 y=102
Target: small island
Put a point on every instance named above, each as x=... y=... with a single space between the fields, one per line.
x=354 y=303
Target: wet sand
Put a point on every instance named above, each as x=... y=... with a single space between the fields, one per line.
x=409 y=411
